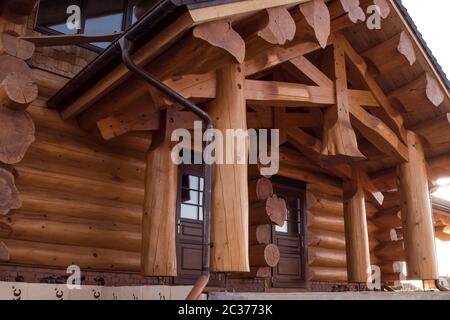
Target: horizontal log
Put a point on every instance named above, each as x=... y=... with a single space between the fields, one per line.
x=81 y=186
x=393 y=250
x=323 y=206
x=48 y=83
x=87 y=234
x=264 y=255
x=271 y=211
x=389 y=234
x=326 y=239
x=390 y=267
x=324 y=222
x=327 y=274
x=319 y=257
x=259 y=189
x=399 y=49
x=435 y=131
x=50 y=255
x=388 y=218
x=261 y=234
x=66 y=204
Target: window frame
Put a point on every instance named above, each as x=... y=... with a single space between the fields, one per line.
x=193 y=170
x=127 y=21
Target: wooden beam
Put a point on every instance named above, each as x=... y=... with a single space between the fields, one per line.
x=339 y=138
x=424 y=92
x=417 y=216
x=15 y=46
x=283 y=94
x=435 y=131
x=4 y=252
x=399 y=49
x=69 y=39
x=389 y=115
x=362 y=98
x=312 y=72
x=378 y=133
x=230 y=211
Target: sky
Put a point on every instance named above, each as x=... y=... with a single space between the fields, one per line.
x=432 y=18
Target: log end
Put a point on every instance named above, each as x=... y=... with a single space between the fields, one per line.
x=406 y=48
x=318 y=17
x=281 y=27
x=383 y=8
x=9 y=195
x=4 y=252
x=433 y=91
x=17 y=91
x=272 y=255
x=277 y=210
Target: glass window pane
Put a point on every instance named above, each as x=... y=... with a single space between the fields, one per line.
x=189 y=182
x=53 y=15
x=283 y=228
x=200 y=201
x=189 y=212
x=193 y=197
x=200 y=214
x=104 y=17
x=202 y=182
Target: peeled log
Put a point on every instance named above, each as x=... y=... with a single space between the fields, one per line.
x=399 y=49
x=48 y=83
x=42 y=254
x=9 y=195
x=16 y=135
x=327 y=274
x=319 y=257
x=417 y=216
x=230 y=204
x=89 y=234
x=327 y=239
x=159 y=219
x=328 y=223
x=392 y=267
x=4 y=252
x=261 y=234
x=271 y=211
x=424 y=92
x=324 y=206
x=393 y=250
x=17 y=91
x=16 y=47
x=259 y=189
x=388 y=218
x=264 y=255
x=389 y=234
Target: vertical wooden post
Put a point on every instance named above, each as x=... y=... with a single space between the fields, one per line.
x=230 y=185
x=356 y=232
x=159 y=219
x=417 y=219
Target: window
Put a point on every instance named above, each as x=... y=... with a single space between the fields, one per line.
x=97 y=17
x=293 y=220
x=192 y=184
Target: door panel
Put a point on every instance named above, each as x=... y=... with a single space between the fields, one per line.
x=289 y=273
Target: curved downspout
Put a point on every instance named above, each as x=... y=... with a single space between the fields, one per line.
x=439 y=286
x=126 y=46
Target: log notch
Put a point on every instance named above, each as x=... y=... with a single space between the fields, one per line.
x=17 y=91
x=424 y=92
x=264 y=255
x=313 y=22
x=9 y=196
x=339 y=138
x=417 y=215
x=271 y=211
x=16 y=135
x=399 y=49
x=230 y=212
x=356 y=231
x=159 y=219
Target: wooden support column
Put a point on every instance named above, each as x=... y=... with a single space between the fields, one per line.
x=159 y=219
x=417 y=218
x=356 y=231
x=230 y=185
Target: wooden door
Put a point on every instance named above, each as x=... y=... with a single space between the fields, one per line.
x=289 y=238
x=190 y=226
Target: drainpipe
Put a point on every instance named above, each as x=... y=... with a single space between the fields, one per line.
x=439 y=286
x=126 y=46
